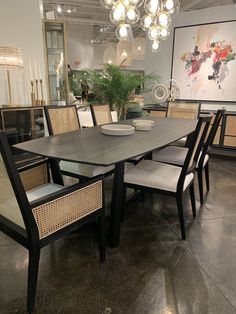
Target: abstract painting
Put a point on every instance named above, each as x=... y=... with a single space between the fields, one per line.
x=204 y=61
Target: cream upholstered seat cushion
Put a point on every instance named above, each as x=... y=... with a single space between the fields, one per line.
x=156 y=175
x=43 y=190
x=175 y=155
x=181 y=142
x=10 y=209
x=89 y=171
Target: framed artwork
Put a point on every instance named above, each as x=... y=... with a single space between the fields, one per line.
x=204 y=61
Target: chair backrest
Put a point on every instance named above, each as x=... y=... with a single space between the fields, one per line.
x=15 y=211
x=62 y=119
x=195 y=146
x=183 y=110
x=211 y=134
x=101 y=114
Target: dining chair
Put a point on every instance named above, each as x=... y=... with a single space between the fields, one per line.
x=176 y=155
x=182 y=110
x=65 y=119
x=39 y=216
x=161 y=178
x=101 y=114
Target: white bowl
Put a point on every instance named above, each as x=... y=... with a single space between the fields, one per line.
x=143 y=126
x=117 y=129
x=141 y=121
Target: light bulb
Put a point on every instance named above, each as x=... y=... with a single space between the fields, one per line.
x=139 y=48
x=69 y=11
x=122 y=31
x=163 y=19
x=146 y=22
x=107 y=3
x=117 y=13
x=132 y=15
x=169 y=4
x=155 y=45
x=172 y=6
x=109 y=61
x=152 y=6
x=124 y=54
x=59 y=9
x=164 y=33
x=154 y=32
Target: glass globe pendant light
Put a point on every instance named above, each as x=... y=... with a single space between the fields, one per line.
x=164 y=33
x=163 y=19
x=155 y=45
x=107 y=3
x=152 y=6
x=117 y=13
x=172 y=6
x=132 y=15
x=123 y=32
x=146 y=22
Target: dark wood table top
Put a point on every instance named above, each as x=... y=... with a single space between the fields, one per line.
x=90 y=146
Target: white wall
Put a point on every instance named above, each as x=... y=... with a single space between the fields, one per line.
x=160 y=63
x=20 y=24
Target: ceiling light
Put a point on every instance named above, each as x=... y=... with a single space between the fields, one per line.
x=163 y=19
x=69 y=11
x=59 y=9
x=152 y=6
x=146 y=22
x=132 y=15
x=107 y=3
x=155 y=45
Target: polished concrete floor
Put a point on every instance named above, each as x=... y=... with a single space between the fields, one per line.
x=152 y=271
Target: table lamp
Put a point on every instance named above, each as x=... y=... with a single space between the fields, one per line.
x=10 y=58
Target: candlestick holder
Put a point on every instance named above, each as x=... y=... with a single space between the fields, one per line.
x=32 y=94
x=37 y=101
x=41 y=87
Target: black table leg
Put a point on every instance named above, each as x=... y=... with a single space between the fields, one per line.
x=116 y=210
x=55 y=171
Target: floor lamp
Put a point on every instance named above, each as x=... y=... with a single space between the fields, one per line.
x=10 y=58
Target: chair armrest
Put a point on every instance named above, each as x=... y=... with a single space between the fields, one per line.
x=67 y=206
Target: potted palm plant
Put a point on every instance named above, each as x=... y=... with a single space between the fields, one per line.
x=115 y=87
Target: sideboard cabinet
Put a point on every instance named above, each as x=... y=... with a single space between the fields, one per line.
x=22 y=124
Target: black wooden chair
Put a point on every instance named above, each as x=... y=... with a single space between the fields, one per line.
x=161 y=178
x=45 y=213
x=65 y=119
x=176 y=155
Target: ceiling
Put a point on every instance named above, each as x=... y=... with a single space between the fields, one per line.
x=90 y=12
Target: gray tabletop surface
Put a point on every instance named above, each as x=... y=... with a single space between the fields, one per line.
x=92 y=147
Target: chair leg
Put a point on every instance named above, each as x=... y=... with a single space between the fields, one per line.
x=200 y=184
x=207 y=176
x=102 y=237
x=34 y=255
x=181 y=215
x=192 y=197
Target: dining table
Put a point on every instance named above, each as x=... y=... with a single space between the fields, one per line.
x=91 y=146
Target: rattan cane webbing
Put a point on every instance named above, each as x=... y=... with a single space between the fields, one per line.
x=59 y=213
x=63 y=120
x=34 y=177
x=183 y=110
x=102 y=114
x=9 y=207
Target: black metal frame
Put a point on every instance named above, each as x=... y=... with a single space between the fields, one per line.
x=29 y=238
x=186 y=169
x=172 y=58
x=92 y=109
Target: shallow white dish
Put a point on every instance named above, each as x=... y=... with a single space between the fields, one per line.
x=117 y=129
x=141 y=121
x=143 y=126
